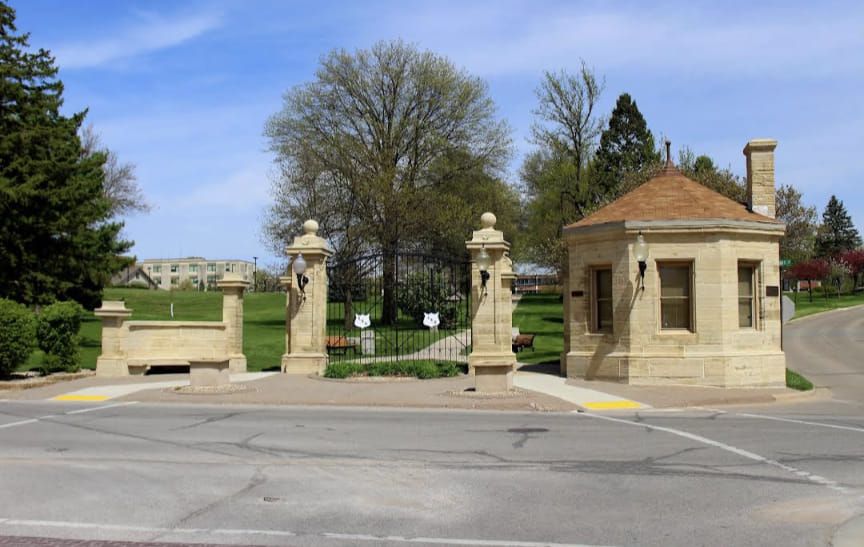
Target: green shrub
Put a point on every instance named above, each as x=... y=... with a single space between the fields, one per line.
x=427 y=293
x=343 y=370
x=423 y=370
x=57 y=334
x=447 y=369
x=17 y=335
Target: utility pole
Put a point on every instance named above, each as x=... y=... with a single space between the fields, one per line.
x=255 y=274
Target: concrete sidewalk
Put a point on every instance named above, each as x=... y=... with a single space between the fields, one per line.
x=537 y=390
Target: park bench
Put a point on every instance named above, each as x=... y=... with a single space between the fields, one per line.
x=340 y=345
x=521 y=341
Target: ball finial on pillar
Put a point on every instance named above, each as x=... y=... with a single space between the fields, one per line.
x=310 y=227
x=487 y=221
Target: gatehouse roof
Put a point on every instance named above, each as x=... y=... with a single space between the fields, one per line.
x=671 y=196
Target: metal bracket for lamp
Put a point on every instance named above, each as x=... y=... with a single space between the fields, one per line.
x=483 y=263
x=641 y=252
x=300 y=269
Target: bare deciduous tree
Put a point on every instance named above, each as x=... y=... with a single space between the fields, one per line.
x=121 y=184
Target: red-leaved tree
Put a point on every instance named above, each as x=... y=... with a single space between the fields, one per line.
x=809 y=271
x=855 y=260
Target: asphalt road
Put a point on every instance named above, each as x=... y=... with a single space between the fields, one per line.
x=829 y=350
x=322 y=476
x=783 y=475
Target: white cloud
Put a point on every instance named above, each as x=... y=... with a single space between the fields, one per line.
x=244 y=190
x=642 y=38
x=153 y=33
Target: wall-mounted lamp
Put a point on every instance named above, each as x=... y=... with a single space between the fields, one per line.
x=300 y=269
x=483 y=263
x=641 y=252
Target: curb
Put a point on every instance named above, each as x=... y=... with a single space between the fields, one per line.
x=822 y=392
x=823 y=313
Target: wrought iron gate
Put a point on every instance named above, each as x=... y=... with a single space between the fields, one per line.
x=402 y=307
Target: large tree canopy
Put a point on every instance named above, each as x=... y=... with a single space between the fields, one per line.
x=375 y=142
x=56 y=240
x=362 y=146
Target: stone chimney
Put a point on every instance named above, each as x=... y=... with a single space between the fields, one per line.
x=760 y=176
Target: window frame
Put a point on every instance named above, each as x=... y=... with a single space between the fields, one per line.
x=691 y=300
x=594 y=324
x=754 y=267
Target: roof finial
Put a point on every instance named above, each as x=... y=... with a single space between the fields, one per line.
x=669 y=154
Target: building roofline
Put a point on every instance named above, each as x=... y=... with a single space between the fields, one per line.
x=696 y=225
x=195 y=259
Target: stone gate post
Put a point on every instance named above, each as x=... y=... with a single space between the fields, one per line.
x=492 y=360
x=233 y=286
x=112 y=361
x=306 y=321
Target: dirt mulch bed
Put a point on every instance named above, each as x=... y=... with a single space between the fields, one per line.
x=28 y=380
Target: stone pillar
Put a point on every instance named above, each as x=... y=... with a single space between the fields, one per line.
x=492 y=360
x=112 y=361
x=306 y=324
x=233 y=286
x=760 y=176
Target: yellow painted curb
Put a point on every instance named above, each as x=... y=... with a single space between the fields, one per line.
x=81 y=398
x=611 y=405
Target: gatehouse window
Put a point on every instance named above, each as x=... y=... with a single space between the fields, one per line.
x=746 y=295
x=601 y=300
x=676 y=310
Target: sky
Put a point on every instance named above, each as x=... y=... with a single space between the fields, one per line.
x=183 y=89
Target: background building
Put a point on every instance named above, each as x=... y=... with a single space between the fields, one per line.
x=536 y=283
x=195 y=272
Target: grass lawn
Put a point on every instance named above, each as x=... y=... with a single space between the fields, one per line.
x=543 y=316
x=804 y=307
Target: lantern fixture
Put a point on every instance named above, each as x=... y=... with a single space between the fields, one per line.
x=641 y=252
x=300 y=269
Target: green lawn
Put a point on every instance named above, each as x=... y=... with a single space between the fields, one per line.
x=804 y=307
x=541 y=315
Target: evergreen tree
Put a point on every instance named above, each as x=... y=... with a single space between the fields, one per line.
x=837 y=233
x=626 y=146
x=56 y=241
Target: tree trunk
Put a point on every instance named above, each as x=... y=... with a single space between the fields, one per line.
x=390 y=307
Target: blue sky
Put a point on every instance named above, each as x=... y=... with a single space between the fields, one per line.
x=183 y=89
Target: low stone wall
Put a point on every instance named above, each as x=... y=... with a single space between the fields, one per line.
x=133 y=347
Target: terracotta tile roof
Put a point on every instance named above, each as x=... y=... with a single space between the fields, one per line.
x=672 y=196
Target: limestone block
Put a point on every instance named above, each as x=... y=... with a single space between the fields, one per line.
x=209 y=373
x=493 y=378
x=676 y=368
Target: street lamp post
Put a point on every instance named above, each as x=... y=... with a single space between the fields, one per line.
x=255 y=274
